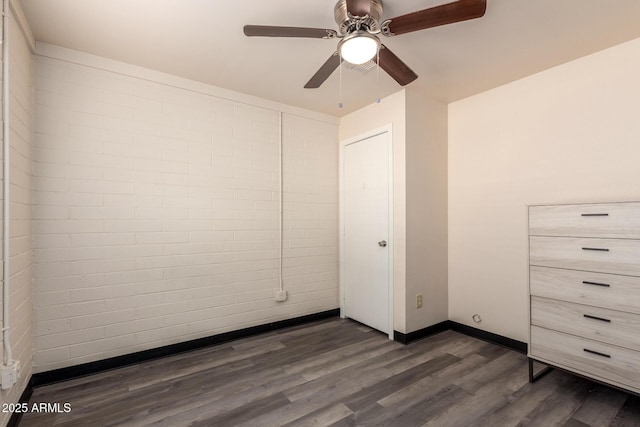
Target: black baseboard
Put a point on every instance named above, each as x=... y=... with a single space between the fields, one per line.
x=422 y=333
x=64 y=374
x=16 y=417
x=516 y=345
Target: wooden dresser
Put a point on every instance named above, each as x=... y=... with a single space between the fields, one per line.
x=584 y=290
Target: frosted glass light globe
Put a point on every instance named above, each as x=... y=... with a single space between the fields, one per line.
x=358 y=47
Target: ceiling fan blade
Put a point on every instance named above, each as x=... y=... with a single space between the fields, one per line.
x=324 y=72
x=359 y=7
x=394 y=66
x=461 y=10
x=269 y=31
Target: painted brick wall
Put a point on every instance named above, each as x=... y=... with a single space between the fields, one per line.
x=20 y=214
x=156 y=214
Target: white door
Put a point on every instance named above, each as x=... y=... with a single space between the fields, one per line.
x=366 y=240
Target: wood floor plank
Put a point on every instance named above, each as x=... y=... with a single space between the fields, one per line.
x=522 y=402
x=369 y=371
x=323 y=416
x=340 y=373
x=601 y=407
x=491 y=395
x=362 y=355
x=318 y=393
x=445 y=399
x=434 y=341
x=465 y=346
x=212 y=403
x=417 y=392
x=413 y=414
x=491 y=371
x=575 y=423
x=629 y=414
x=384 y=388
x=491 y=351
x=558 y=408
x=178 y=372
x=332 y=356
x=237 y=416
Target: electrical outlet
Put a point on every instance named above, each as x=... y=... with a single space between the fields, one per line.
x=419 y=301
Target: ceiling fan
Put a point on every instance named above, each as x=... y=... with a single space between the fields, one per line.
x=359 y=26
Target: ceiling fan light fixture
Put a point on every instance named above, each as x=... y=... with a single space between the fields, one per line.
x=359 y=47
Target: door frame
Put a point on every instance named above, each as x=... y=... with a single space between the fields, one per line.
x=388 y=129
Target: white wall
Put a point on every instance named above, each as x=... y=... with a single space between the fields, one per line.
x=568 y=134
x=426 y=180
x=419 y=127
x=391 y=110
x=156 y=204
x=20 y=261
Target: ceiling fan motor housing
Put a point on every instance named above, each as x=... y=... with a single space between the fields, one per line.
x=347 y=24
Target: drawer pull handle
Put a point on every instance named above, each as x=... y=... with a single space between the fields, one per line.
x=596 y=249
x=596 y=214
x=604 y=285
x=597 y=353
x=588 y=316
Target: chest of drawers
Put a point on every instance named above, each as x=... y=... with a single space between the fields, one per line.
x=584 y=290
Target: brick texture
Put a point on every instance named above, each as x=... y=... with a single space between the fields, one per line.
x=156 y=214
x=20 y=257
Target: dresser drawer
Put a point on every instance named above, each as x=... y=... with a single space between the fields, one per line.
x=616 y=220
x=615 y=256
x=600 y=324
x=603 y=290
x=588 y=357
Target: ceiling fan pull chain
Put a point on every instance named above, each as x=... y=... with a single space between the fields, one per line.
x=378 y=75
x=340 y=105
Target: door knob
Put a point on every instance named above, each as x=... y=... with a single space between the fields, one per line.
x=382 y=243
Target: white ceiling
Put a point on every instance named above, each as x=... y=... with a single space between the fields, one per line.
x=203 y=40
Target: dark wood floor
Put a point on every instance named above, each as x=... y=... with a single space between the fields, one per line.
x=339 y=373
